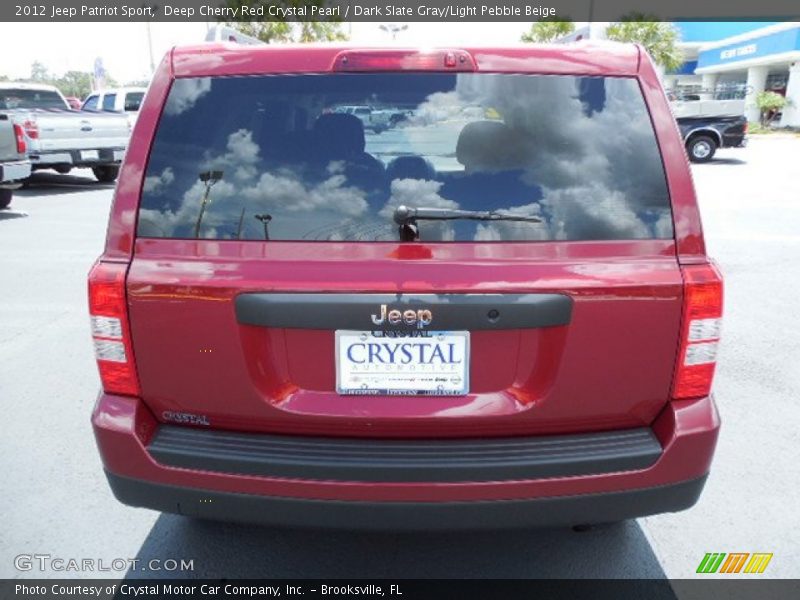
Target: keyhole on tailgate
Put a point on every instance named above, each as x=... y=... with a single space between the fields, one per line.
x=493 y=315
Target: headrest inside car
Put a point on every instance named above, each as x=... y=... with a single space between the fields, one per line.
x=338 y=135
x=410 y=167
x=490 y=146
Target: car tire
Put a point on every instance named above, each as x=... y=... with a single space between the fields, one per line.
x=701 y=148
x=5 y=197
x=106 y=174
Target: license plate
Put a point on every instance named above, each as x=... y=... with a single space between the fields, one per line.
x=89 y=155
x=119 y=154
x=430 y=363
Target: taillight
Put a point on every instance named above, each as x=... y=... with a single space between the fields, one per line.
x=110 y=330
x=700 y=331
x=31 y=128
x=22 y=147
x=403 y=60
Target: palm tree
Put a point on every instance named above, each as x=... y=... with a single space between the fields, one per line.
x=660 y=39
x=548 y=30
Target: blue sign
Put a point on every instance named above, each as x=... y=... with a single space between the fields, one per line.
x=759 y=47
x=714 y=31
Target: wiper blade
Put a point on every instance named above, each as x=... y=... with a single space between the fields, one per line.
x=405 y=214
x=406 y=217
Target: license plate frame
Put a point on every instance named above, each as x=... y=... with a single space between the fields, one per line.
x=436 y=378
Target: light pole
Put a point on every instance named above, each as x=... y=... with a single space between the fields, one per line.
x=209 y=178
x=150 y=39
x=150 y=48
x=265 y=219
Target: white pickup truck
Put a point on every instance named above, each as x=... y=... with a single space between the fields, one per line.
x=60 y=138
x=375 y=119
x=14 y=166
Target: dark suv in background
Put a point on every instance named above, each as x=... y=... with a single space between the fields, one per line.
x=496 y=312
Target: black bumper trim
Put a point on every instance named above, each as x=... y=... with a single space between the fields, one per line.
x=374 y=460
x=450 y=312
x=411 y=516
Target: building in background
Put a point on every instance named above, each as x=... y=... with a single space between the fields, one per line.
x=728 y=60
x=740 y=59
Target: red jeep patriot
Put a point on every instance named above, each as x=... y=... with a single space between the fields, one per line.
x=480 y=300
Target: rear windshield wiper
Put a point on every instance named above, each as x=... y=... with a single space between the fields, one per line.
x=406 y=217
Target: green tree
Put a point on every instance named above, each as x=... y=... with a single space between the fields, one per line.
x=548 y=30
x=71 y=83
x=660 y=39
x=39 y=72
x=276 y=30
x=74 y=83
x=770 y=104
x=319 y=31
x=138 y=83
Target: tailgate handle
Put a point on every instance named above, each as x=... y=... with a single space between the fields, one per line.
x=435 y=312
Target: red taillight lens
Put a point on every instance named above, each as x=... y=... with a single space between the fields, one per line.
x=22 y=147
x=700 y=330
x=404 y=60
x=110 y=330
x=31 y=129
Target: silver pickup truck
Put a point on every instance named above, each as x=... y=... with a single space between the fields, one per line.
x=60 y=138
x=14 y=164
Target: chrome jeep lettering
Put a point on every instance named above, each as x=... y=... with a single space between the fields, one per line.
x=421 y=318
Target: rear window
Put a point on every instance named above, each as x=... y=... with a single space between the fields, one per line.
x=91 y=103
x=278 y=157
x=108 y=101
x=133 y=100
x=31 y=99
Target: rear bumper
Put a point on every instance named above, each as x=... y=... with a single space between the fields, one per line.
x=11 y=172
x=428 y=516
x=551 y=488
x=401 y=461
x=734 y=141
x=78 y=158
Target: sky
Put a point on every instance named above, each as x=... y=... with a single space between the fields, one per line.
x=124 y=48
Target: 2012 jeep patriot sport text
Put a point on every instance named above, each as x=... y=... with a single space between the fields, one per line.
x=496 y=312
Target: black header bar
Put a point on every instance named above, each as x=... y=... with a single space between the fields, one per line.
x=396 y=10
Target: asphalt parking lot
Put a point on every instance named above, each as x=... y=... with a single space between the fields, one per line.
x=56 y=500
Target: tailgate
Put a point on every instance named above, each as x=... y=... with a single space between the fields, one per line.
x=8 y=141
x=274 y=367
x=499 y=261
x=74 y=130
